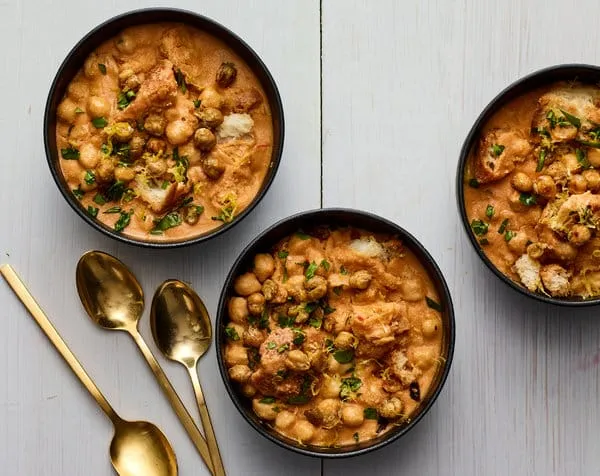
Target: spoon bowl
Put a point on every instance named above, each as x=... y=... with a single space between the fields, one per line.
x=182 y=331
x=180 y=323
x=139 y=448
x=110 y=294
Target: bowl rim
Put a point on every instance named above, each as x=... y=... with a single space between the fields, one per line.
x=275 y=102
x=416 y=247
x=511 y=91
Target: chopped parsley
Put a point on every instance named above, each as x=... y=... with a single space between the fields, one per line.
x=231 y=333
x=99 y=122
x=180 y=78
x=283 y=254
x=303 y=236
x=197 y=103
x=484 y=241
x=78 y=110
x=329 y=345
x=283 y=347
x=337 y=290
x=571 y=119
x=349 y=386
x=433 y=304
x=479 y=227
x=78 y=193
x=123 y=221
x=271 y=345
x=315 y=322
x=115 y=191
x=285 y=321
x=99 y=199
x=102 y=68
x=310 y=271
x=267 y=400
x=325 y=265
x=113 y=210
x=497 y=149
x=582 y=159
x=125 y=98
x=541 y=160
x=253 y=357
x=70 y=153
x=89 y=177
x=527 y=199
x=370 y=413
x=503 y=226
x=327 y=309
x=489 y=211
x=343 y=270
x=509 y=235
x=474 y=183
x=343 y=356
x=299 y=337
x=170 y=220
x=92 y=211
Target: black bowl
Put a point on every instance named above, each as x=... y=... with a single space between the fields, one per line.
x=110 y=28
x=583 y=73
x=338 y=217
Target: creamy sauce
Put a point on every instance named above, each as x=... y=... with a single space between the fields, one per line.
x=332 y=337
x=533 y=160
x=130 y=118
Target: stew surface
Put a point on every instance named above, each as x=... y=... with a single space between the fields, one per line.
x=532 y=190
x=335 y=336
x=165 y=133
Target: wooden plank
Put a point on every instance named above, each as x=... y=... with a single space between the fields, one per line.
x=49 y=424
x=402 y=84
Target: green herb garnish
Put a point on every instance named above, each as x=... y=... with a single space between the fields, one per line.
x=170 y=220
x=479 y=227
x=180 y=78
x=283 y=254
x=99 y=199
x=343 y=270
x=78 y=110
x=283 y=347
x=349 y=385
x=115 y=191
x=271 y=345
x=102 y=68
x=310 y=270
x=370 y=413
x=527 y=199
x=509 y=235
x=433 y=304
x=497 y=149
x=582 y=159
x=78 y=193
x=303 y=236
x=337 y=290
x=99 y=122
x=474 y=183
x=89 y=177
x=503 y=226
x=343 y=356
x=196 y=103
x=299 y=337
x=267 y=400
x=541 y=160
x=231 y=333
x=489 y=211
x=285 y=321
x=572 y=119
x=70 y=153
x=315 y=322
x=112 y=210
x=325 y=265
x=92 y=211
x=484 y=241
x=123 y=221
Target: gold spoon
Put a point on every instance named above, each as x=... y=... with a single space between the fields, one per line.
x=182 y=331
x=113 y=298
x=138 y=448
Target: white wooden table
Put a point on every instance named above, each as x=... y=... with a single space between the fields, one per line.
x=378 y=96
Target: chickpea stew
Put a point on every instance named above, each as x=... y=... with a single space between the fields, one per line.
x=335 y=336
x=165 y=133
x=532 y=190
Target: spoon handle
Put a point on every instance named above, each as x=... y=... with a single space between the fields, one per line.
x=34 y=309
x=207 y=424
x=184 y=416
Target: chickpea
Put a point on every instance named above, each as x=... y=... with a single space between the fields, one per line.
x=240 y=373
x=336 y=367
x=246 y=284
x=316 y=288
x=155 y=125
x=535 y=250
x=212 y=167
x=430 y=328
x=136 y=147
x=297 y=360
x=331 y=387
x=518 y=243
x=390 y=408
x=125 y=43
x=248 y=390
x=238 y=328
x=344 y=340
x=360 y=280
x=269 y=289
x=211 y=98
x=179 y=132
x=91 y=69
x=98 y=106
x=126 y=174
x=593 y=156
x=264 y=410
x=352 y=415
x=238 y=310
x=305 y=431
x=592 y=178
x=129 y=81
x=579 y=235
x=89 y=156
x=423 y=357
x=105 y=170
x=226 y=75
x=299 y=312
x=236 y=355
x=256 y=303
x=330 y=412
x=209 y=117
x=557 y=170
x=412 y=289
x=156 y=166
x=521 y=182
x=77 y=91
x=122 y=131
x=253 y=337
x=577 y=184
x=295 y=288
x=66 y=110
x=204 y=139
x=564 y=251
x=156 y=146
x=264 y=266
x=285 y=419
x=318 y=361
x=545 y=187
